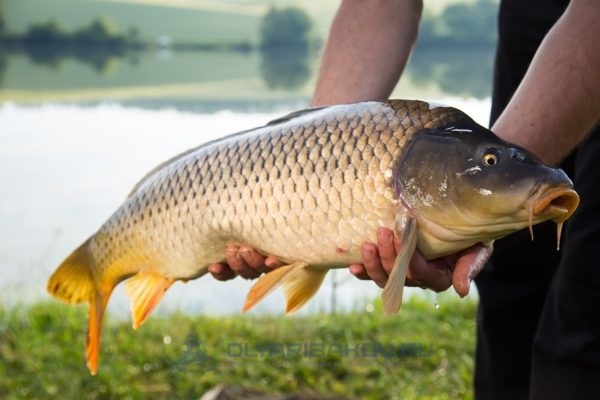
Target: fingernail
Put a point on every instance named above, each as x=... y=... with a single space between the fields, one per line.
x=369 y=254
x=466 y=290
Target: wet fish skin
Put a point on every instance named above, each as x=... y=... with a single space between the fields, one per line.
x=308 y=188
x=298 y=189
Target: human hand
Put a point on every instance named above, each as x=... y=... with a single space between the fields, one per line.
x=244 y=261
x=456 y=270
x=439 y=274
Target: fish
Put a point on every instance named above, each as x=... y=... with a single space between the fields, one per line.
x=309 y=188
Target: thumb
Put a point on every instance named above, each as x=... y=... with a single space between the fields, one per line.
x=468 y=265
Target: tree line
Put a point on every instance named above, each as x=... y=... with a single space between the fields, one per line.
x=458 y=24
x=287 y=41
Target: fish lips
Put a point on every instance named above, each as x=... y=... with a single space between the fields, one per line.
x=554 y=203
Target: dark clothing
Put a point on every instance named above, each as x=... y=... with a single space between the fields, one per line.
x=538 y=325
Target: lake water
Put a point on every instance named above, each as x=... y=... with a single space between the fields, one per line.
x=64 y=169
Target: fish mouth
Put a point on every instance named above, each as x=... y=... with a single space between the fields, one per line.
x=552 y=203
x=557 y=204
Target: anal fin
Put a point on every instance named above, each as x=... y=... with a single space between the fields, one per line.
x=301 y=286
x=299 y=282
x=145 y=289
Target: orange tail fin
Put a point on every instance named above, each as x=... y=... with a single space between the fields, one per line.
x=74 y=283
x=92 y=344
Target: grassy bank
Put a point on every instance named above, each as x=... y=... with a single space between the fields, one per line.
x=426 y=352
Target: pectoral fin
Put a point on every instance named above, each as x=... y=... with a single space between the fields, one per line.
x=406 y=229
x=299 y=281
x=145 y=290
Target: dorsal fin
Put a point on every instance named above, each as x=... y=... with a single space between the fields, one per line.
x=294 y=114
x=285 y=118
x=185 y=153
x=159 y=166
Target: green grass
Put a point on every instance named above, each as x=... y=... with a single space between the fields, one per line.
x=424 y=353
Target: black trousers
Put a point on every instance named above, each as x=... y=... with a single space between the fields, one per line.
x=538 y=323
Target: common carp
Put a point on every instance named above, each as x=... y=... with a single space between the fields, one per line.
x=309 y=188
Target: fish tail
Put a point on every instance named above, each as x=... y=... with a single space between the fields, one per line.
x=299 y=282
x=73 y=282
x=95 y=317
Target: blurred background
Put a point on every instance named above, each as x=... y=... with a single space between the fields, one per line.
x=94 y=93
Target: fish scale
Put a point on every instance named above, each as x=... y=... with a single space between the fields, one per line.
x=308 y=189
x=270 y=189
x=243 y=190
x=275 y=181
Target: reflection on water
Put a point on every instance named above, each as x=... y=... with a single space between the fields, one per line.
x=162 y=76
x=460 y=73
x=286 y=68
x=65 y=169
x=157 y=79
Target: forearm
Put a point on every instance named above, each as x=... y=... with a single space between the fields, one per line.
x=368 y=46
x=558 y=101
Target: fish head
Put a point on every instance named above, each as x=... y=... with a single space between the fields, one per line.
x=465 y=185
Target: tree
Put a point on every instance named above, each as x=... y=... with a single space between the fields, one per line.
x=288 y=27
x=45 y=32
x=471 y=23
x=100 y=31
x=461 y=24
x=285 y=44
x=285 y=68
x=2 y=24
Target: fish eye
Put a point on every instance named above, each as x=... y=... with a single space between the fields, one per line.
x=489 y=159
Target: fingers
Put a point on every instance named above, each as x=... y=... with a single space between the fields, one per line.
x=387 y=245
x=457 y=270
x=359 y=271
x=378 y=260
x=221 y=272
x=272 y=263
x=372 y=264
x=435 y=275
x=243 y=261
x=468 y=265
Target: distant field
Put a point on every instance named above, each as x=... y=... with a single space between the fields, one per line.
x=198 y=20
x=201 y=20
x=204 y=75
